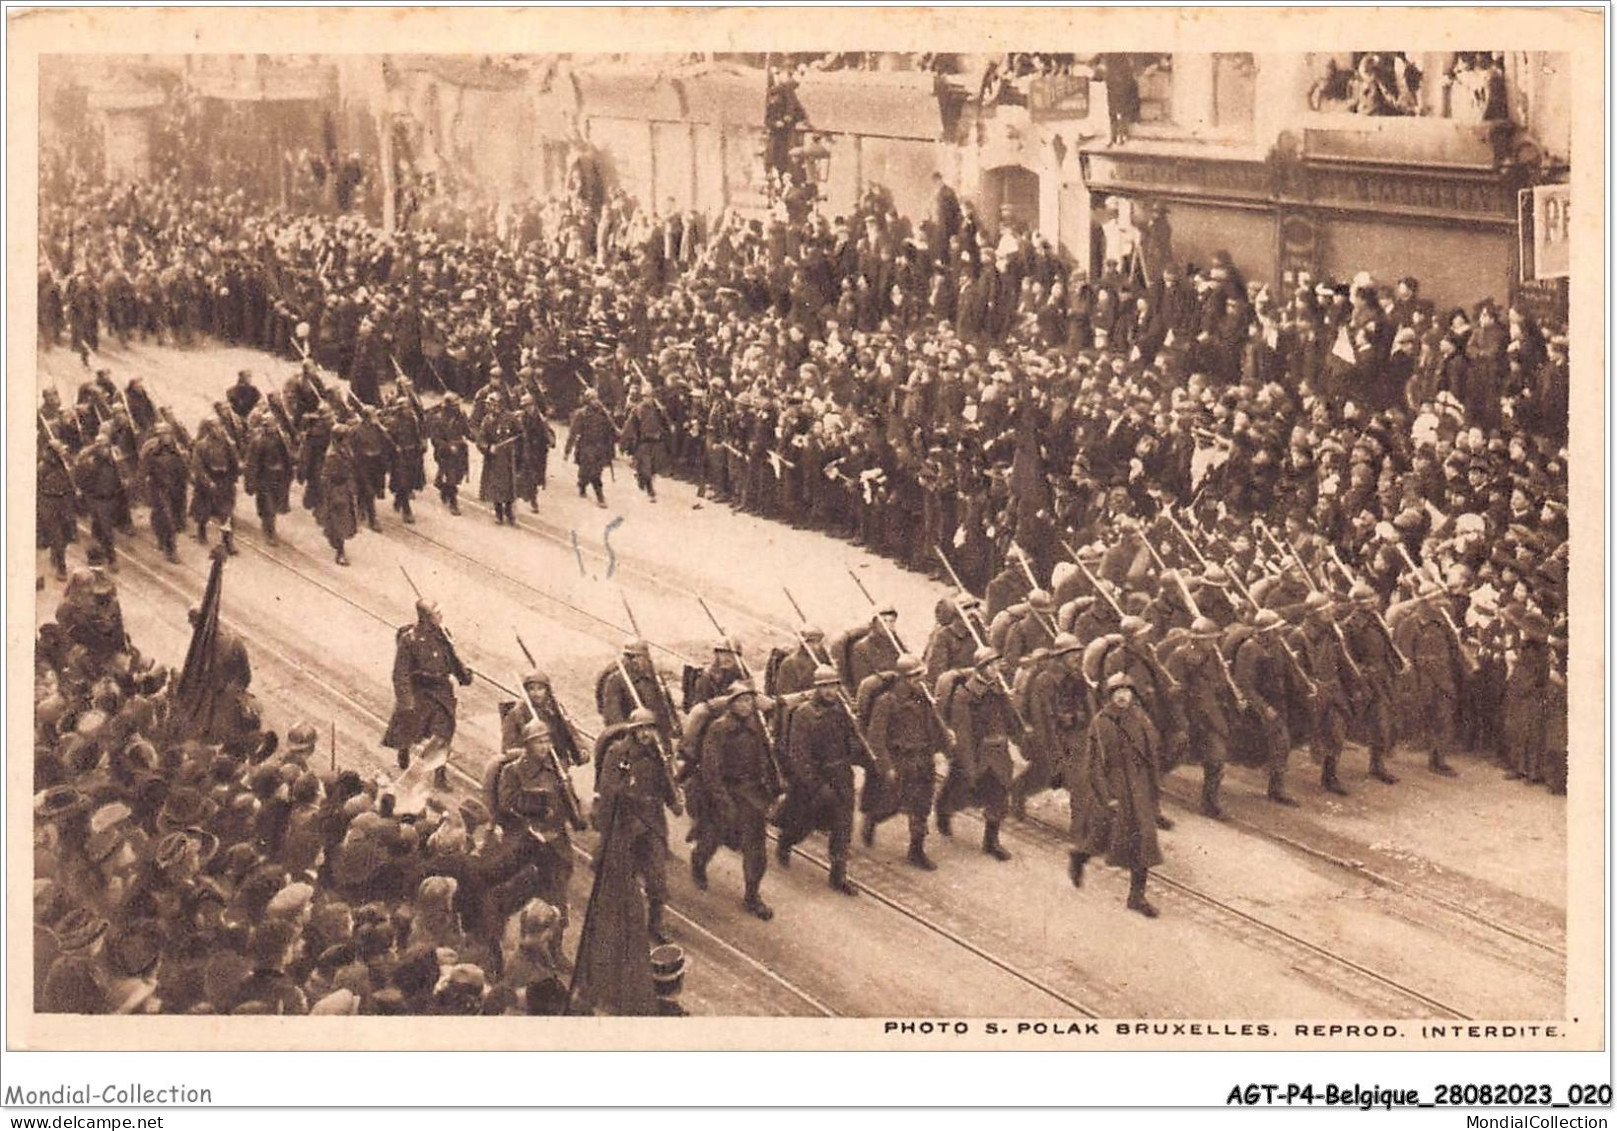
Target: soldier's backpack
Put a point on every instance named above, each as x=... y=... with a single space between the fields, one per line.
x=605 y=739
x=1095 y=654
x=600 y=687
x=871 y=688
x=777 y=657
x=688 y=679
x=999 y=629
x=842 y=652
x=948 y=686
x=491 y=779
x=697 y=720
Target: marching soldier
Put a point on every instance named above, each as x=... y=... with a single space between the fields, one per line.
x=373 y=456
x=1371 y=646
x=58 y=497
x=590 y=437
x=535 y=854
x=794 y=672
x=516 y=715
x=424 y=663
x=1438 y=669
x=500 y=441
x=164 y=476
x=101 y=488
x=317 y=429
x=405 y=430
x=905 y=737
x=339 y=491
x=868 y=648
x=1116 y=799
x=617 y=701
x=450 y=434
x=1211 y=700
x=634 y=791
x=715 y=679
x=537 y=440
x=984 y=724
x=267 y=472
x=645 y=436
x=1263 y=673
x=1056 y=714
x=1031 y=630
x=822 y=748
x=214 y=471
x=739 y=788
x=1321 y=652
x=952 y=642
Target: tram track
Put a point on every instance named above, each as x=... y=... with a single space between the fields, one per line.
x=1376 y=989
x=1059 y=999
x=469 y=785
x=1519 y=936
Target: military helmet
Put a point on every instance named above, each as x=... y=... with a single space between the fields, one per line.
x=739 y=688
x=1063 y=643
x=1119 y=680
x=908 y=665
x=1316 y=602
x=636 y=647
x=642 y=717
x=809 y=632
x=536 y=729
x=826 y=676
x=1204 y=626
x=1362 y=592
x=536 y=678
x=1041 y=601
x=1134 y=625
x=984 y=656
x=1267 y=619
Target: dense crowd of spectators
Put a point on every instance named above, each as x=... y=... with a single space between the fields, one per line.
x=912 y=382
x=219 y=870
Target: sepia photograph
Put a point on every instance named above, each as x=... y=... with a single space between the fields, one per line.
x=985 y=538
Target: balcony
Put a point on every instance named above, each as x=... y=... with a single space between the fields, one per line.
x=1429 y=142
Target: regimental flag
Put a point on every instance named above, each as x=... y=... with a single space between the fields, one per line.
x=612 y=974
x=189 y=713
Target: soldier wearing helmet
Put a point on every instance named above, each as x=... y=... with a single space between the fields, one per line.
x=905 y=738
x=1211 y=704
x=821 y=747
x=1055 y=700
x=738 y=788
x=534 y=856
x=633 y=795
x=1116 y=792
x=616 y=699
x=1370 y=643
x=515 y=715
x=1268 y=681
x=451 y=431
x=984 y=723
x=424 y=664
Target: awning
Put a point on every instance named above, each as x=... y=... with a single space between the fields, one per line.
x=878 y=104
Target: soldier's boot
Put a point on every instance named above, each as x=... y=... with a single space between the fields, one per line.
x=404 y=509
x=600 y=496
x=342 y=557
x=1137 y=900
x=783 y=852
x=917 y=854
x=59 y=560
x=1437 y=764
x=839 y=878
x=269 y=530
x=1328 y=779
x=1075 y=867
x=228 y=536
x=1164 y=823
x=991 y=843
x=654 y=923
x=867 y=831
x=1212 y=777
x=440 y=777
x=1277 y=790
x=454 y=501
x=752 y=874
x=171 y=553
x=533 y=503
x=112 y=558
x=404 y=758
x=945 y=822
x=373 y=522
x=202 y=533
x=699 y=870
x=1378 y=767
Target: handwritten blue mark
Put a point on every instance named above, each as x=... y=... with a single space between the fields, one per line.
x=579 y=554
x=606 y=539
